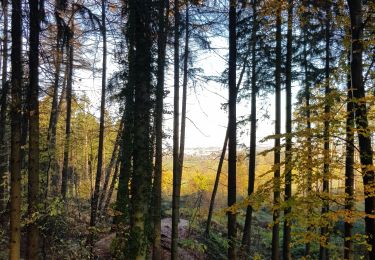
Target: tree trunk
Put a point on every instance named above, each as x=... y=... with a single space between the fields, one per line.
x=158 y=170
x=176 y=125
x=3 y=111
x=288 y=139
x=126 y=155
x=246 y=239
x=324 y=254
x=232 y=129
x=216 y=185
x=33 y=165
x=364 y=133
x=349 y=170
x=16 y=118
x=99 y=169
x=308 y=128
x=69 y=85
x=221 y=161
x=276 y=192
x=142 y=167
x=54 y=115
x=110 y=166
x=111 y=186
x=184 y=93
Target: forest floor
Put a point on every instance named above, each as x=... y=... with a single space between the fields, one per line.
x=102 y=248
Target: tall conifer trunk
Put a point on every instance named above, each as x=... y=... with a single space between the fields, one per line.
x=276 y=192
x=95 y=198
x=142 y=168
x=126 y=154
x=3 y=111
x=184 y=92
x=232 y=129
x=69 y=86
x=349 y=169
x=246 y=239
x=52 y=127
x=33 y=103
x=158 y=170
x=324 y=254
x=364 y=133
x=16 y=118
x=288 y=128
x=176 y=126
x=308 y=129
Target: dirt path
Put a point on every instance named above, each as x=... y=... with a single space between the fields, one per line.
x=102 y=247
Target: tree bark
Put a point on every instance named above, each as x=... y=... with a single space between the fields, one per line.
x=176 y=125
x=158 y=170
x=99 y=169
x=288 y=128
x=54 y=115
x=111 y=186
x=324 y=254
x=126 y=155
x=232 y=129
x=184 y=93
x=349 y=170
x=3 y=112
x=16 y=118
x=246 y=238
x=221 y=161
x=33 y=102
x=276 y=192
x=69 y=85
x=110 y=166
x=216 y=185
x=364 y=133
x=142 y=167
x=308 y=129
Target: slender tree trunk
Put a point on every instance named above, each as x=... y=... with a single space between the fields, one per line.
x=16 y=118
x=308 y=129
x=33 y=102
x=324 y=254
x=69 y=85
x=232 y=129
x=349 y=170
x=176 y=125
x=184 y=93
x=158 y=170
x=122 y=199
x=216 y=185
x=99 y=169
x=24 y=125
x=111 y=165
x=111 y=186
x=288 y=128
x=246 y=239
x=3 y=111
x=221 y=161
x=276 y=192
x=54 y=115
x=364 y=133
x=53 y=161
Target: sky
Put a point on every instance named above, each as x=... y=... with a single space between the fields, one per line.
x=206 y=120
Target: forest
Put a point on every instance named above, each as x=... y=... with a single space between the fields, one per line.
x=96 y=158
